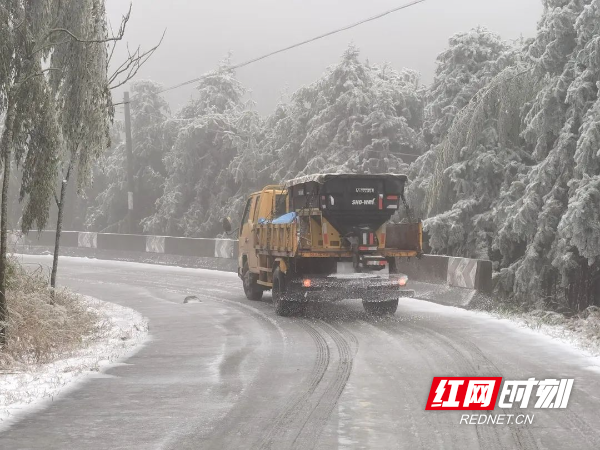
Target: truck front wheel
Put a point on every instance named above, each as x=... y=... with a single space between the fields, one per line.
x=282 y=306
x=251 y=288
x=381 y=308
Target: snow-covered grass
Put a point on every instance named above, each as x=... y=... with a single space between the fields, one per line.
x=581 y=330
x=43 y=324
x=565 y=344
x=56 y=340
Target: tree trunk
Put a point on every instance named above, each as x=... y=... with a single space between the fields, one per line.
x=59 y=223
x=71 y=205
x=6 y=153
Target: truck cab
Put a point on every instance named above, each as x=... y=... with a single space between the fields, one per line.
x=260 y=207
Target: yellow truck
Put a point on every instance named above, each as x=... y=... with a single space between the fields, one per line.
x=327 y=237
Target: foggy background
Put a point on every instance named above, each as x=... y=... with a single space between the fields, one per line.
x=201 y=32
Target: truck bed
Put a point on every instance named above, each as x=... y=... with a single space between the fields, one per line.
x=402 y=240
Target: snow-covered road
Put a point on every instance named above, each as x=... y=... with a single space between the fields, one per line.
x=227 y=373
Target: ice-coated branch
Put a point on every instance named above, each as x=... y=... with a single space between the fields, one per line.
x=131 y=66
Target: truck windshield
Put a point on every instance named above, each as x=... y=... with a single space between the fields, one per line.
x=246 y=210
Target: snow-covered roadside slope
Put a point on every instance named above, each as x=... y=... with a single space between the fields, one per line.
x=573 y=337
x=121 y=332
x=581 y=331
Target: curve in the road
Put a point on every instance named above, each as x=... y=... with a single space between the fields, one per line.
x=228 y=373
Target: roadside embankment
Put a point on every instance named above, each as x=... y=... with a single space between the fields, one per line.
x=55 y=338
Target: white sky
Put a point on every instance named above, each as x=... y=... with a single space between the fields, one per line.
x=201 y=32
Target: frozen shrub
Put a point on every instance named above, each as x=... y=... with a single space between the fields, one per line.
x=43 y=325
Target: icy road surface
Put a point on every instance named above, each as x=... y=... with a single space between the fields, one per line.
x=226 y=373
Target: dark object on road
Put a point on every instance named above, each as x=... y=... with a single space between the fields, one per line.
x=191 y=299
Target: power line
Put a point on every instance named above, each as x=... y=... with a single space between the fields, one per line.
x=299 y=44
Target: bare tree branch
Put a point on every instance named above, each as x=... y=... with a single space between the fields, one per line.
x=83 y=40
x=123 y=67
x=123 y=24
x=117 y=37
x=132 y=65
x=114 y=45
x=48 y=43
x=42 y=72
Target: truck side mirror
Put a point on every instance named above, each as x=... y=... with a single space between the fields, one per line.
x=226 y=222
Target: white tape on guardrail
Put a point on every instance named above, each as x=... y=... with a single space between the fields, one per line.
x=462 y=272
x=87 y=240
x=155 y=244
x=224 y=248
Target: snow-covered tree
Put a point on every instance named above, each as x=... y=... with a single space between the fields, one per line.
x=83 y=100
x=557 y=215
x=355 y=118
x=471 y=61
x=151 y=139
x=517 y=172
x=210 y=132
x=477 y=163
x=38 y=41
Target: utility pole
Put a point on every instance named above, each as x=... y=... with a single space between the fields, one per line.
x=129 y=150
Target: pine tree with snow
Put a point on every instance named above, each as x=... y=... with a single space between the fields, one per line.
x=471 y=61
x=552 y=127
x=356 y=118
x=517 y=172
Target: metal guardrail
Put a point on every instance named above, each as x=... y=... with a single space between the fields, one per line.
x=181 y=246
x=466 y=273
x=473 y=274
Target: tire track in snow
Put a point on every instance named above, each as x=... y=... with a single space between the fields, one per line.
x=285 y=418
x=472 y=360
x=312 y=427
x=407 y=391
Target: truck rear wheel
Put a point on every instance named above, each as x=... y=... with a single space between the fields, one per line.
x=381 y=308
x=282 y=306
x=251 y=288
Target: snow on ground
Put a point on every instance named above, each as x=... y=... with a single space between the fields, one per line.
x=147 y=267
x=581 y=333
x=122 y=332
x=573 y=336
x=566 y=336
